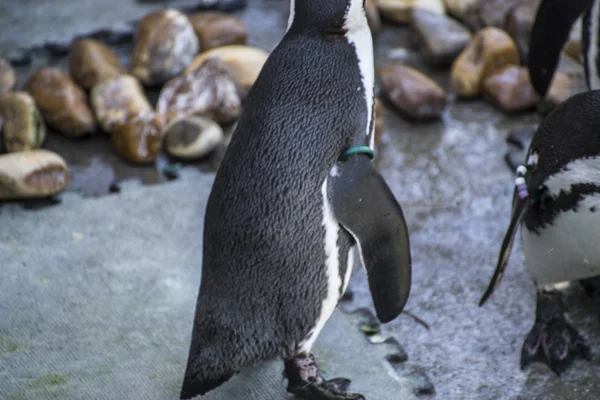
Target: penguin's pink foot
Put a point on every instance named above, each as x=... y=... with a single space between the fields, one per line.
x=552 y=340
x=305 y=381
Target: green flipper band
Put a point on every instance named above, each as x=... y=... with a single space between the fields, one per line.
x=357 y=150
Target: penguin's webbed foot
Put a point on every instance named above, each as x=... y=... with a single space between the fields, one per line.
x=305 y=381
x=553 y=340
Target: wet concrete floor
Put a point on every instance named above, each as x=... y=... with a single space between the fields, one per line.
x=453 y=183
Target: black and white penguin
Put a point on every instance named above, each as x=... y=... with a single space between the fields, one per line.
x=557 y=204
x=294 y=194
x=553 y=23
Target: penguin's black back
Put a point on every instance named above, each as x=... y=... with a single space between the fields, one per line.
x=264 y=262
x=570 y=132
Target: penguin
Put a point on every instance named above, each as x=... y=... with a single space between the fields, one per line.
x=295 y=194
x=553 y=23
x=556 y=202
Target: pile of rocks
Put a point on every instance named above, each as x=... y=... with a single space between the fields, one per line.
x=485 y=45
x=200 y=63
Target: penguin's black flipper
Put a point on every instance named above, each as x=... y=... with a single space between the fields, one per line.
x=553 y=23
x=365 y=206
x=519 y=208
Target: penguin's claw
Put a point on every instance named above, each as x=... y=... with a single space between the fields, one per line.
x=305 y=381
x=555 y=343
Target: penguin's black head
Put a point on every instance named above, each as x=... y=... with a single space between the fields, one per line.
x=325 y=16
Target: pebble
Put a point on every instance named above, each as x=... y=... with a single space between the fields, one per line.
x=438 y=38
x=91 y=62
x=411 y=92
x=379 y=119
x=489 y=52
x=32 y=174
x=7 y=76
x=373 y=17
x=61 y=102
x=139 y=138
x=115 y=100
x=458 y=8
x=562 y=87
x=244 y=63
x=165 y=43
x=511 y=89
x=215 y=29
x=400 y=10
x=573 y=46
x=24 y=128
x=192 y=138
x=519 y=24
x=487 y=13
x=208 y=90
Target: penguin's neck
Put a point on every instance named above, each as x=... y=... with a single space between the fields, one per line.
x=340 y=16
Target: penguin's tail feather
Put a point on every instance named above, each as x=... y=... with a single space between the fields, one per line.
x=193 y=387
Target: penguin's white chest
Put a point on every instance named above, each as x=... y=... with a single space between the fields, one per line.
x=567 y=250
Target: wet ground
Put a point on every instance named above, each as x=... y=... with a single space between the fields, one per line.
x=453 y=183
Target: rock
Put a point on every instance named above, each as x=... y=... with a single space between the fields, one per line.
x=519 y=23
x=215 y=29
x=511 y=89
x=486 y=13
x=165 y=43
x=400 y=10
x=562 y=87
x=458 y=8
x=192 y=138
x=91 y=62
x=438 y=38
x=24 y=128
x=208 y=90
x=244 y=63
x=379 y=119
x=117 y=99
x=32 y=174
x=1 y=134
x=490 y=51
x=61 y=102
x=573 y=46
x=7 y=76
x=139 y=138
x=373 y=16
x=412 y=93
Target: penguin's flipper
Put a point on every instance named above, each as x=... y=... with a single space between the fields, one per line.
x=553 y=23
x=364 y=205
x=519 y=208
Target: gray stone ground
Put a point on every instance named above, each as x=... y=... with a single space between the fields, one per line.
x=96 y=294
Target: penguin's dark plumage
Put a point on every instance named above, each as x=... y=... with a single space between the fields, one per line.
x=276 y=260
x=557 y=205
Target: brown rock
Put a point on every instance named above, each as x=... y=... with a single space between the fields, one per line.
x=490 y=51
x=139 y=138
x=379 y=119
x=458 y=8
x=32 y=174
x=165 y=43
x=216 y=29
x=486 y=13
x=24 y=128
x=206 y=91
x=573 y=46
x=562 y=87
x=116 y=100
x=519 y=23
x=244 y=63
x=511 y=89
x=7 y=76
x=373 y=16
x=91 y=62
x=62 y=103
x=400 y=10
x=192 y=138
x=438 y=38
x=412 y=93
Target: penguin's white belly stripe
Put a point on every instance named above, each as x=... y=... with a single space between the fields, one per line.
x=592 y=55
x=359 y=35
x=332 y=265
x=585 y=170
x=349 y=266
x=567 y=250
